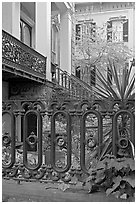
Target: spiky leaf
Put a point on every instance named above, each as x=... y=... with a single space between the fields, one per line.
x=130 y=179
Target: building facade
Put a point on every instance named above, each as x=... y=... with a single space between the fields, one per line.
x=49 y=109
x=36 y=37
x=116 y=18
x=30 y=23
x=39 y=48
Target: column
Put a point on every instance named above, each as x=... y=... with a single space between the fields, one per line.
x=18 y=127
x=43 y=33
x=18 y=123
x=131 y=29
x=16 y=19
x=65 y=41
x=11 y=18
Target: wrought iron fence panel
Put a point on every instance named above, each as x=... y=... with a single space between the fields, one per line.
x=57 y=137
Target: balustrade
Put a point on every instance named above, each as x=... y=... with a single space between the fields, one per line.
x=22 y=59
x=73 y=85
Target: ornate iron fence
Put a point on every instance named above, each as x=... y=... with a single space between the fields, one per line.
x=76 y=134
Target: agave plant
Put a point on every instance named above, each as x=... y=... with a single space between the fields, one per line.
x=123 y=87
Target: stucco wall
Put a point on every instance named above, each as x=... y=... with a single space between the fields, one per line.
x=102 y=17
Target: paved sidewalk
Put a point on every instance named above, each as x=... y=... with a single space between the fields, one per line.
x=36 y=192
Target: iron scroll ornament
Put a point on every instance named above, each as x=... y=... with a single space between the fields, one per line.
x=54 y=141
x=6 y=139
x=10 y=140
x=115 y=131
x=32 y=137
x=82 y=138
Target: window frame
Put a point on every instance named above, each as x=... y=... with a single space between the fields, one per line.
x=88 y=28
x=54 y=44
x=110 y=29
x=24 y=24
x=28 y=21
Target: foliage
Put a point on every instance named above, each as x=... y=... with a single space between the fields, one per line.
x=123 y=87
x=90 y=52
x=6 y=155
x=110 y=60
x=115 y=175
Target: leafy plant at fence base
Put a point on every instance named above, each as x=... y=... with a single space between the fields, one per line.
x=115 y=175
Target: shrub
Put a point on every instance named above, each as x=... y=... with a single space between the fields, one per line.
x=115 y=175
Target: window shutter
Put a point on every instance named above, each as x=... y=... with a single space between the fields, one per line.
x=78 y=29
x=93 y=31
x=125 y=30
x=109 y=31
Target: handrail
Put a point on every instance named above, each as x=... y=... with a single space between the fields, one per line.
x=76 y=87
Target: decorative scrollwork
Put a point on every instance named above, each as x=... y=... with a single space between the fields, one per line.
x=91 y=142
x=32 y=139
x=6 y=106
x=59 y=164
x=66 y=177
x=60 y=141
x=39 y=174
x=6 y=139
x=123 y=143
x=55 y=176
x=119 y=135
x=36 y=105
x=10 y=172
x=27 y=174
x=14 y=171
x=15 y=51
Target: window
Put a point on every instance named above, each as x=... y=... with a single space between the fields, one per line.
x=25 y=33
x=109 y=31
x=92 y=30
x=77 y=73
x=125 y=30
x=54 y=45
x=27 y=23
x=55 y=39
x=117 y=30
x=78 y=32
x=93 y=76
x=86 y=29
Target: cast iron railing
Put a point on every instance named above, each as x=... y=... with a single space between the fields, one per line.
x=22 y=59
x=73 y=85
x=94 y=114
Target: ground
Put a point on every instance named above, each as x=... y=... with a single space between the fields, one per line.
x=42 y=192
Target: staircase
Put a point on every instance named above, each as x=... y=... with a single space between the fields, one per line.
x=75 y=87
